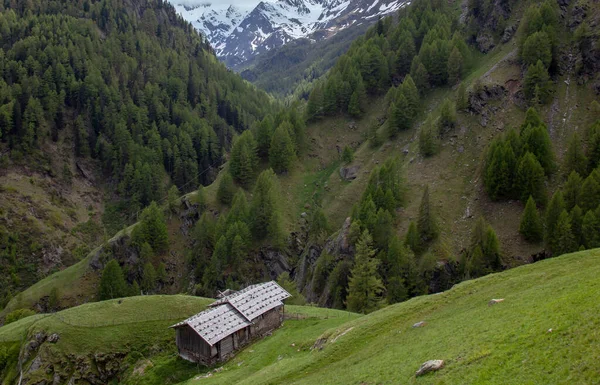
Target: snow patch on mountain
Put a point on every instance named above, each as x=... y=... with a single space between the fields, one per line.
x=241 y=29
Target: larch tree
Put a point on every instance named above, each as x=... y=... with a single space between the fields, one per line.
x=531 y=224
x=226 y=189
x=426 y=222
x=282 y=153
x=365 y=288
x=112 y=282
x=243 y=159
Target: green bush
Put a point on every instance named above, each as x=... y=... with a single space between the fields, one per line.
x=17 y=315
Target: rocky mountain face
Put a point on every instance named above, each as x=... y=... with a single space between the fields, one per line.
x=239 y=32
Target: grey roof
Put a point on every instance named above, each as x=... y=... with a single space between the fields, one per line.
x=256 y=299
x=216 y=323
x=236 y=311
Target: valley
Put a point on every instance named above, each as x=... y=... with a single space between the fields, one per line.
x=411 y=168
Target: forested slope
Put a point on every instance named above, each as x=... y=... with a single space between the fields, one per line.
x=103 y=102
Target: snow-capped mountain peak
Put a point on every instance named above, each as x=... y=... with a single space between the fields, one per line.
x=239 y=30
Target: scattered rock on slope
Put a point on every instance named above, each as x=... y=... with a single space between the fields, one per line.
x=430 y=366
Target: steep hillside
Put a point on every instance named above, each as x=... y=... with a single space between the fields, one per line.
x=103 y=107
x=128 y=341
x=545 y=331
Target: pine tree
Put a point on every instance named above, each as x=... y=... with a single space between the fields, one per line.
x=426 y=222
x=537 y=83
x=531 y=224
x=264 y=134
x=173 y=198
x=462 y=100
x=281 y=154
x=412 y=237
x=148 y=278
x=575 y=159
x=347 y=155
x=112 y=282
x=590 y=193
x=243 y=159
x=590 y=229
x=563 y=240
x=201 y=199
x=152 y=229
x=365 y=288
x=572 y=190
x=226 y=189
x=265 y=210
x=555 y=207
x=448 y=115
x=455 y=66
x=530 y=179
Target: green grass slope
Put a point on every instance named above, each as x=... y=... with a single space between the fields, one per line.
x=132 y=336
x=545 y=332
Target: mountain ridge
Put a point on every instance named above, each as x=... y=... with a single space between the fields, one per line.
x=238 y=35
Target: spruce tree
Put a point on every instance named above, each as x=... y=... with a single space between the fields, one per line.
x=590 y=193
x=112 y=282
x=365 y=288
x=530 y=179
x=537 y=83
x=576 y=218
x=226 y=189
x=572 y=190
x=575 y=159
x=243 y=159
x=462 y=99
x=265 y=209
x=590 y=229
x=555 y=207
x=281 y=153
x=455 y=66
x=148 y=278
x=531 y=224
x=563 y=240
x=426 y=222
x=412 y=239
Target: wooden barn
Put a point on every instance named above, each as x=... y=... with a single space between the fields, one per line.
x=230 y=323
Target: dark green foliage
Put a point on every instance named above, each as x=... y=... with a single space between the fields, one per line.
x=562 y=241
x=365 y=288
x=447 y=115
x=575 y=159
x=429 y=140
x=286 y=282
x=537 y=85
x=161 y=273
x=398 y=117
x=201 y=199
x=462 y=99
x=589 y=197
x=412 y=237
x=173 y=199
x=318 y=226
x=512 y=162
x=590 y=229
x=282 y=152
x=530 y=179
x=347 y=155
x=265 y=210
x=152 y=229
x=572 y=190
x=226 y=189
x=53 y=299
x=593 y=146
x=455 y=66
x=427 y=226
x=112 y=283
x=148 y=278
x=382 y=229
x=243 y=159
x=137 y=88
x=484 y=254
x=576 y=218
x=338 y=283
x=531 y=224
x=323 y=267
x=537 y=47
x=263 y=132
x=553 y=211
x=18 y=314
x=403 y=280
